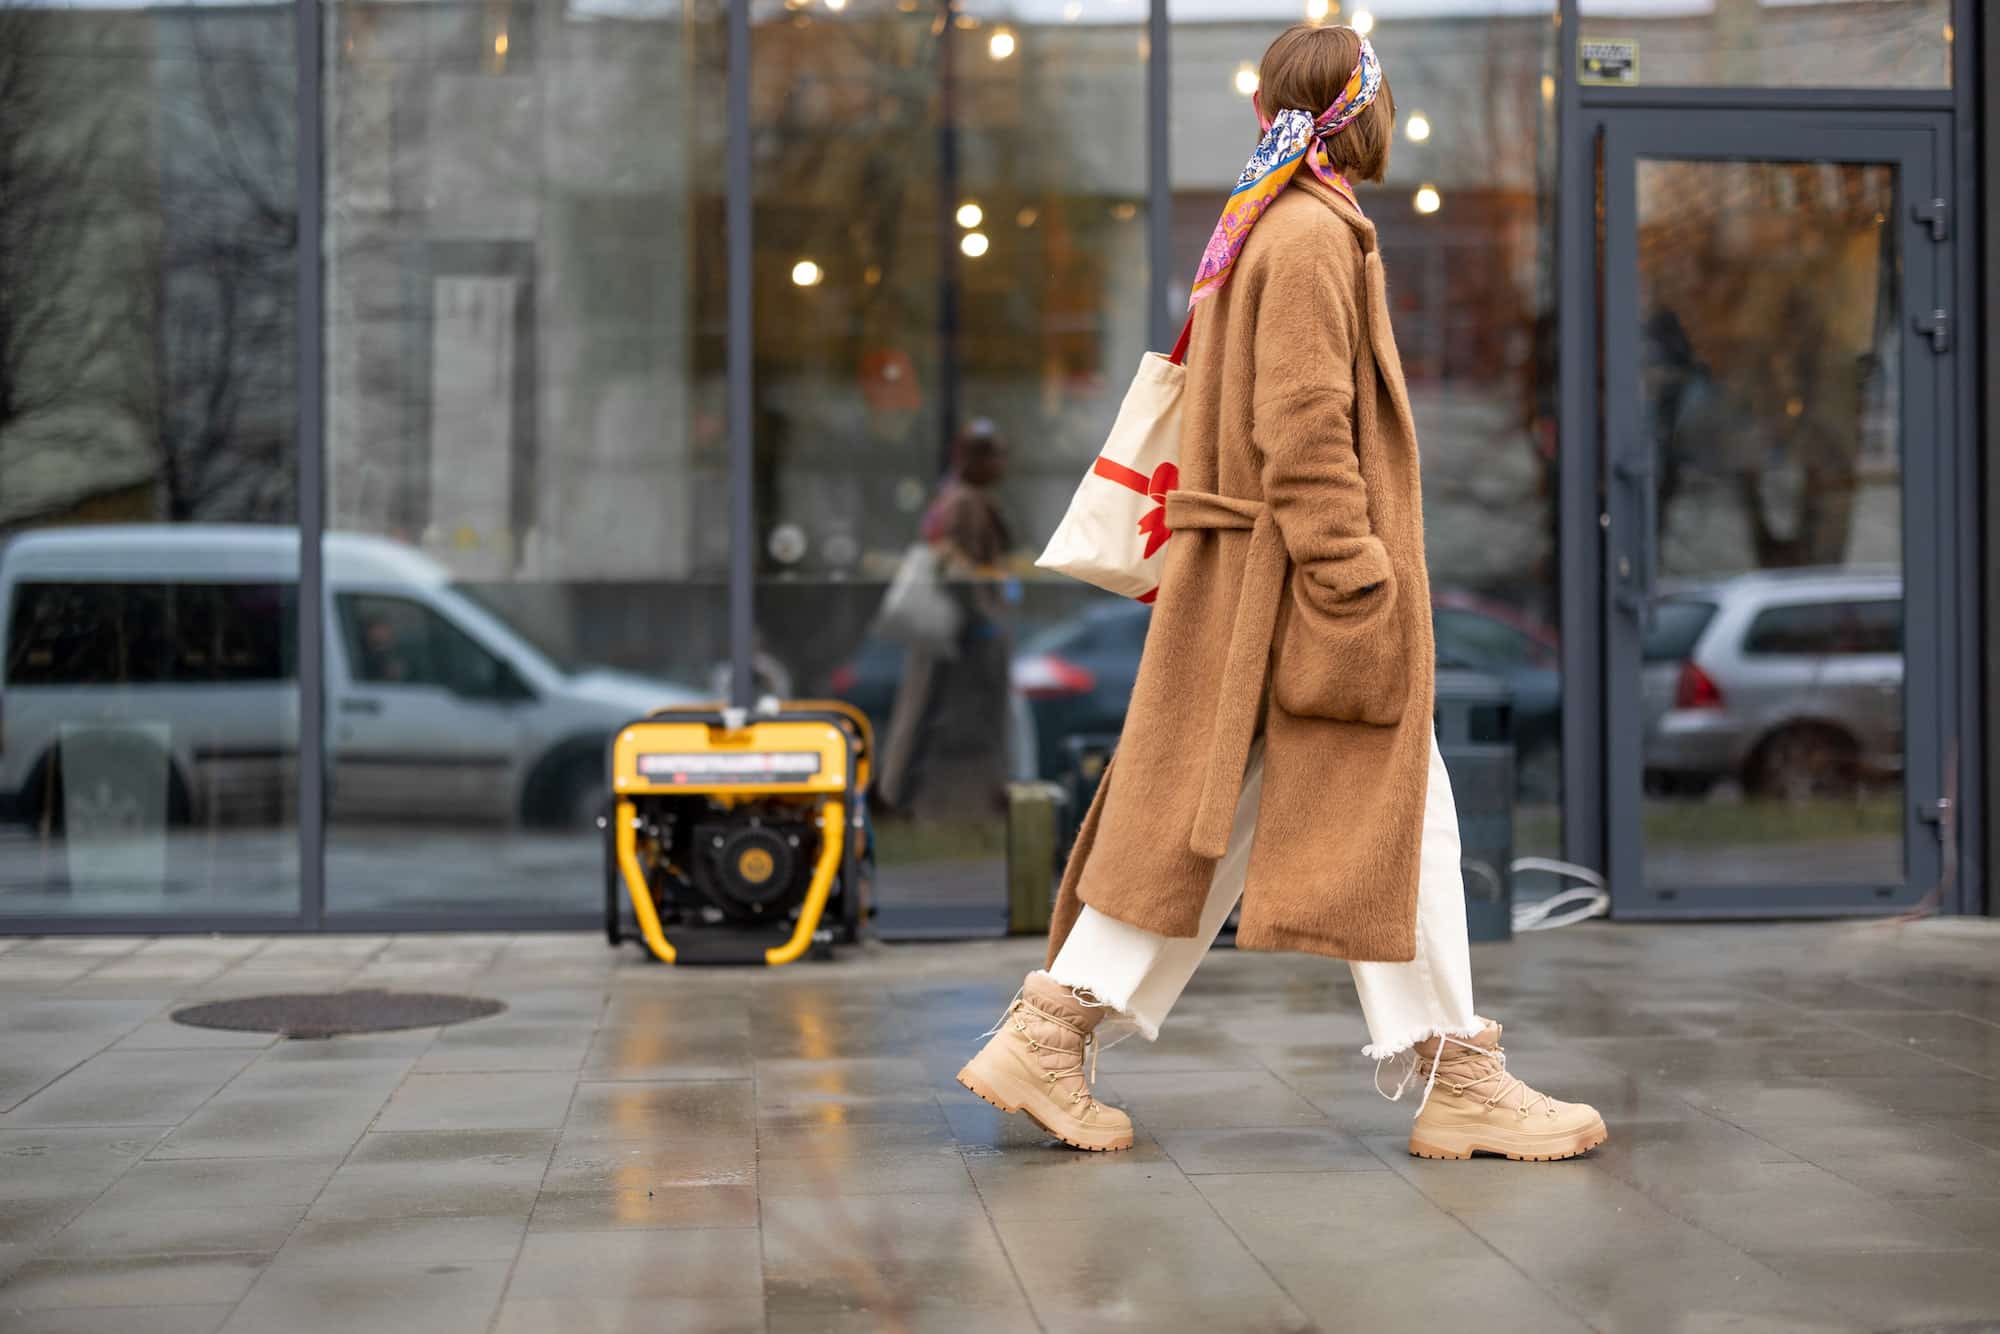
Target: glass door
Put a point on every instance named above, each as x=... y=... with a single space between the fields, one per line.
x=1775 y=414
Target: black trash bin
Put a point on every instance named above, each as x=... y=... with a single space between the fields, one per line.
x=1475 y=728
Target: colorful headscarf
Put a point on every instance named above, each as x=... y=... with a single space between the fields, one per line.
x=1289 y=137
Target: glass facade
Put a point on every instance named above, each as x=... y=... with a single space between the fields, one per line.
x=1767 y=43
x=149 y=234
x=968 y=219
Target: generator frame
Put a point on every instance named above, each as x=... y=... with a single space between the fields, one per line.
x=837 y=733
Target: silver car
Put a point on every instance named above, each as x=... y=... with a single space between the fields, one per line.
x=1789 y=681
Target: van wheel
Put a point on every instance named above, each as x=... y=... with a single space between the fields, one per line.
x=579 y=795
x=1804 y=762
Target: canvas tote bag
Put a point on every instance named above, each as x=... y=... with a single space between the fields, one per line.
x=1115 y=532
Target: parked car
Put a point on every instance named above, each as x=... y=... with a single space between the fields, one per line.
x=1789 y=681
x=1480 y=634
x=179 y=644
x=1077 y=676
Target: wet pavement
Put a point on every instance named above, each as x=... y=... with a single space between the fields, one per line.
x=1805 y=1136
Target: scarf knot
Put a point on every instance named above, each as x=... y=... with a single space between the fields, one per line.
x=1290 y=137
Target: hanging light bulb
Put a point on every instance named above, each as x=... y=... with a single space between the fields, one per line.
x=1363 y=22
x=1317 y=10
x=805 y=273
x=969 y=214
x=1418 y=127
x=1427 y=199
x=974 y=244
x=1001 y=44
x=1246 y=80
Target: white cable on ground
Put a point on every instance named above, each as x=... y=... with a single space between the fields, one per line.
x=1593 y=899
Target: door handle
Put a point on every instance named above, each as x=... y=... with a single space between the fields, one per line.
x=370 y=707
x=1634 y=469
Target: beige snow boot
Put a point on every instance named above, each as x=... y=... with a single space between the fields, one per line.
x=1473 y=1104
x=1036 y=1063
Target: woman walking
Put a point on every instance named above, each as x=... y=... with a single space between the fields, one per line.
x=1279 y=748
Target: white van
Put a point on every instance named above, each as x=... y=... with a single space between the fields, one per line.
x=171 y=651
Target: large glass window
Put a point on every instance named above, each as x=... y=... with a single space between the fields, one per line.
x=1465 y=224
x=526 y=464
x=148 y=585
x=1767 y=43
x=951 y=297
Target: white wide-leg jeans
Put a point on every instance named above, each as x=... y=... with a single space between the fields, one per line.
x=1139 y=975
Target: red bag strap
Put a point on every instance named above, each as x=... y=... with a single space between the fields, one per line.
x=1179 y=357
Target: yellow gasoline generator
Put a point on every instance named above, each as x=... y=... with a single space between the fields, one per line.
x=740 y=836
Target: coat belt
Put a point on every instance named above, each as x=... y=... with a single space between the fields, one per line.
x=1259 y=596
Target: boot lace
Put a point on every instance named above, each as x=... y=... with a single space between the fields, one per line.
x=1481 y=1072
x=1086 y=1060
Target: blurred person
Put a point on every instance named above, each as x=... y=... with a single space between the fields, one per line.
x=949 y=750
x=1279 y=750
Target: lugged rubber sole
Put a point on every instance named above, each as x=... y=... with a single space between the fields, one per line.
x=989 y=1091
x=1455 y=1146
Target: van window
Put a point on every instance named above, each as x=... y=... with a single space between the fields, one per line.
x=91 y=634
x=1827 y=629
x=393 y=641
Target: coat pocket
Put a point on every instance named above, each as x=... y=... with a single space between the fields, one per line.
x=1341 y=653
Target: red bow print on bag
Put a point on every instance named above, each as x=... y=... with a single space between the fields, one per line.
x=1165 y=478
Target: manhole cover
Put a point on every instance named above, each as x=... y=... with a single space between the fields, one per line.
x=326 y=1013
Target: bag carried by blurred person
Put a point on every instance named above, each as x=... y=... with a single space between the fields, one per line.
x=1115 y=532
x=918 y=610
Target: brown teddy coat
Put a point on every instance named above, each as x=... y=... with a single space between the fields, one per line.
x=1294 y=588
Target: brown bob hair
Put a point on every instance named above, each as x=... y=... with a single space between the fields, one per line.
x=1304 y=70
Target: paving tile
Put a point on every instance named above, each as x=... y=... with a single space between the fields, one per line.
x=1956 y=1289
x=654 y=1111
x=684 y=1052
x=702 y=1263
x=1182 y=1270
x=205 y=1319
x=518 y=1100
x=1776 y=1209
x=1308 y=1148
x=219 y=1183
x=105 y=1230
x=246 y=1123
x=1371 y=1252
x=1052 y=1182
x=1209 y=1099
x=362 y=1243
x=1604 y=1250
x=656 y=1207
x=1907 y=1160
x=438 y=1174
x=684 y=1315
x=886 y=1255
x=413 y=1298
x=153 y=1280
x=599 y=1165
x=132 y=1088
x=166 y=1035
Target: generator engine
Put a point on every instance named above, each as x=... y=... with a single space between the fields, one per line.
x=740 y=838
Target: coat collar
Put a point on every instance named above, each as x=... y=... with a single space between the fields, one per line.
x=1341 y=206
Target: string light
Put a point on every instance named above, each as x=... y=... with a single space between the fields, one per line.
x=1418 y=127
x=1246 y=80
x=1427 y=199
x=969 y=214
x=1001 y=44
x=1363 y=22
x=974 y=244
x=805 y=273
